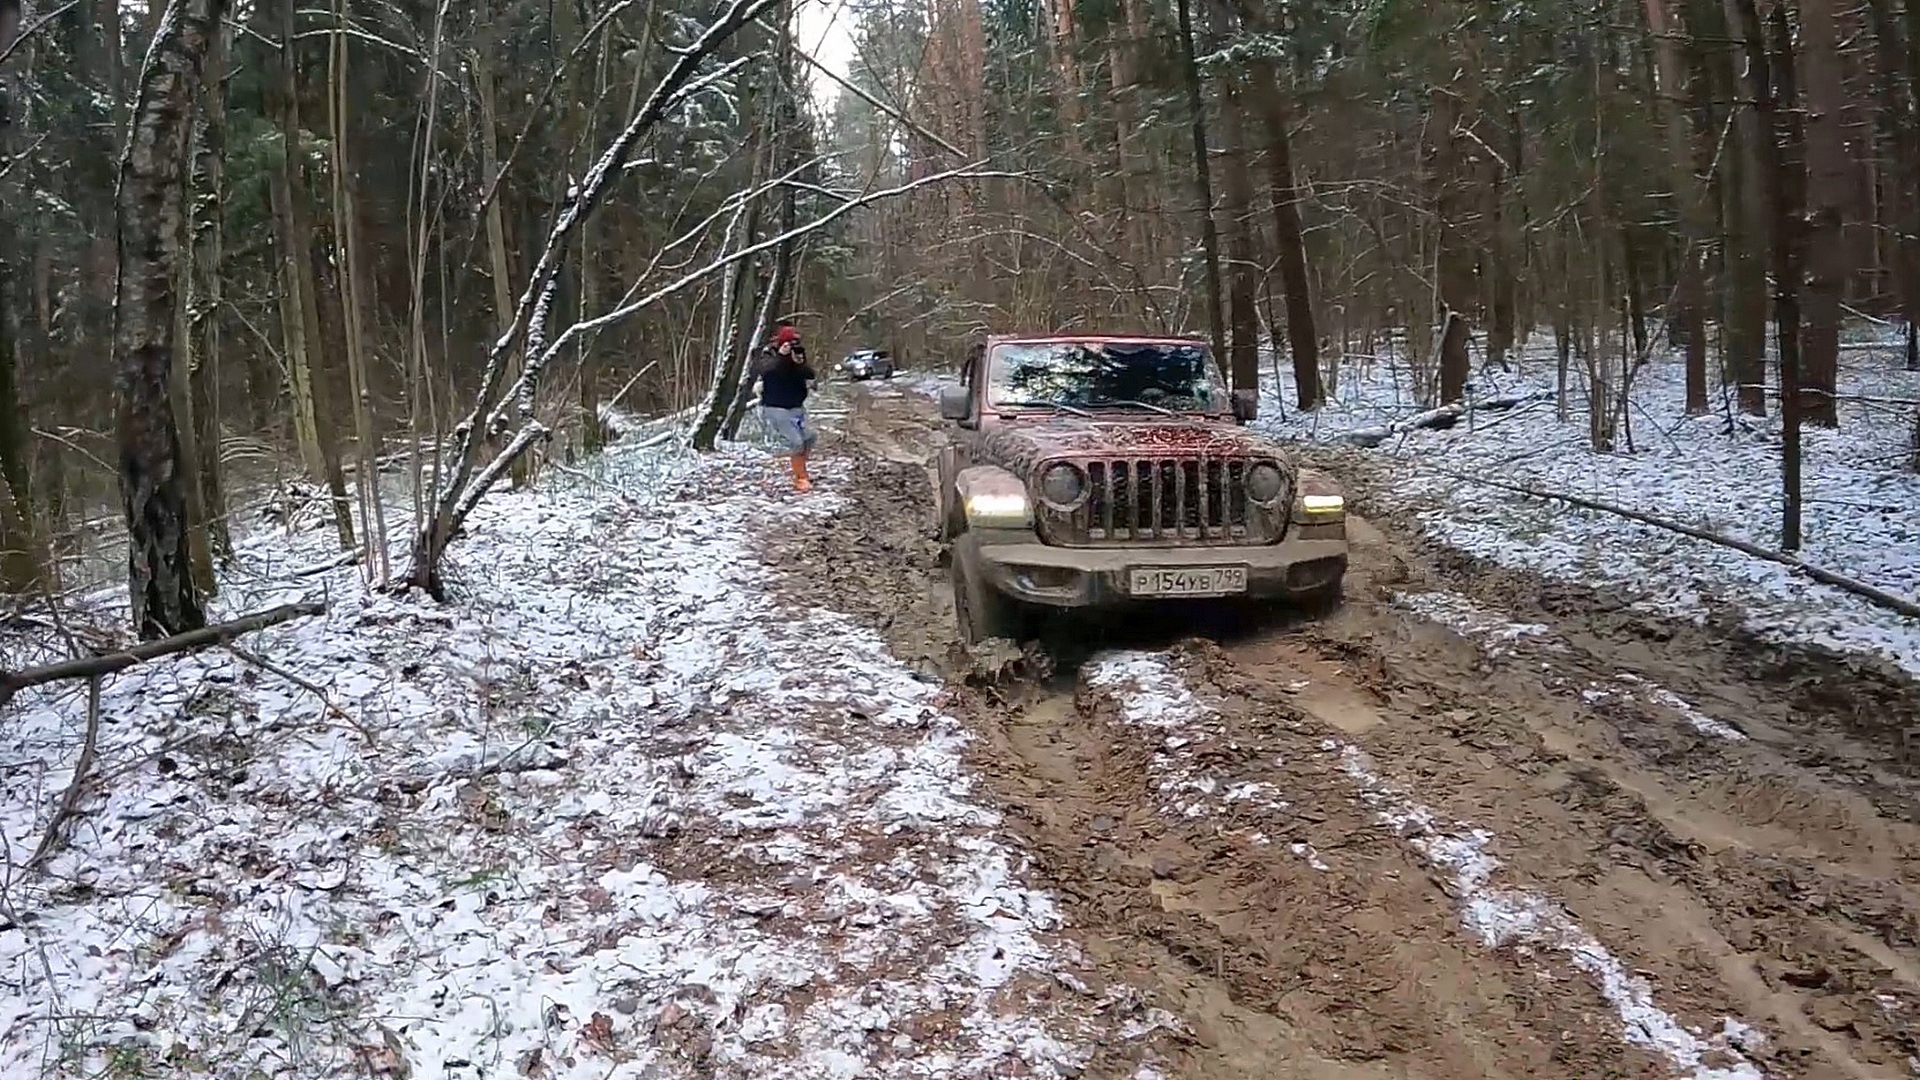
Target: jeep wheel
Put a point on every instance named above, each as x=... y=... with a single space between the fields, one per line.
x=952 y=521
x=980 y=611
x=1322 y=601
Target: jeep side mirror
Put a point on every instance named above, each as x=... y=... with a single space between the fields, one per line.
x=955 y=402
x=1246 y=405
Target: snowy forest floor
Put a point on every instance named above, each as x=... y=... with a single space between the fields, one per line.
x=692 y=780
x=1862 y=500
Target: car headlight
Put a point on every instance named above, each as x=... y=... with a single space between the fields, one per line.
x=1063 y=485
x=1265 y=482
x=1323 y=505
x=999 y=510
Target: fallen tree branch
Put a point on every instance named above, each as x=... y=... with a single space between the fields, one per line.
x=12 y=682
x=1871 y=593
x=70 y=802
x=1444 y=416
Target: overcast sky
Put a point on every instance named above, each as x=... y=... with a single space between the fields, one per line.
x=825 y=28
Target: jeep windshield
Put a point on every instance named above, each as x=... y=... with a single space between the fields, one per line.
x=1077 y=376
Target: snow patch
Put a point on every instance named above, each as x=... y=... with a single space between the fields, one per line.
x=1862 y=508
x=1150 y=693
x=618 y=811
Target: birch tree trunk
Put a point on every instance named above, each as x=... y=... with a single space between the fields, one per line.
x=152 y=179
x=205 y=293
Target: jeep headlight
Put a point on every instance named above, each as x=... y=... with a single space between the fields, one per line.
x=1323 y=505
x=1063 y=485
x=1265 y=482
x=999 y=510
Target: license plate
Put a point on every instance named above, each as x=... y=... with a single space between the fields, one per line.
x=1188 y=581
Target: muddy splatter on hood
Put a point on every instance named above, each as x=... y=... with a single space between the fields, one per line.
x=1018 y=445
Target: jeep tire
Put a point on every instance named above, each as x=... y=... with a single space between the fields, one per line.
x=979 y=610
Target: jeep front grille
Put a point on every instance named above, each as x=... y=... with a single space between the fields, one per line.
x=1166 y=501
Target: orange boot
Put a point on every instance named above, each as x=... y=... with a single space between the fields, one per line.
x=800 y=480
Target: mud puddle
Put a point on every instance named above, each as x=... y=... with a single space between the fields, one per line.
x=1229 y=868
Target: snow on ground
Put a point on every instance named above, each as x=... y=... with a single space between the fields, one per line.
x=1149 y=691
x=617 y=812
x=1152 y=698
x=1862 y=515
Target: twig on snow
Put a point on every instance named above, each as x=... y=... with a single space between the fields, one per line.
x=70 y=802
x=12 y=682
x=326 y=703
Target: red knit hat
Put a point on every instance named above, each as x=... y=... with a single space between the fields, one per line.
x=785 y=334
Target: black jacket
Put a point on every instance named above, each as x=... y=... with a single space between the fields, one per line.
x=783 y=379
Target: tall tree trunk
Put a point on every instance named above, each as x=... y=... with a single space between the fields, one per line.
x=1502 y=277
x=1899 y=63
x=152 y=182
x=1303 y=337
x=1202 y=180
x=1455 y=257
x=730 y=383
x=299 y=300
x=1747 y=213
x=785 y=150
x=1829 y=181
x=1770 y=80
x=499 y=264
x=1243 y=346
x=354 y=299
x=204 y=289
x=21 y=561
x=180 y=393
x=1689 y=194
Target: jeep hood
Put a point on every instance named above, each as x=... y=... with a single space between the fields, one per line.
x=1073 y=436
x=1018 y=444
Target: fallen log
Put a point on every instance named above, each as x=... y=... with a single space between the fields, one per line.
x=12 y=682
x=1437 y=419
x=1872 y=593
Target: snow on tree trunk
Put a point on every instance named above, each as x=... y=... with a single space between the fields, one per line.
x=152 y=179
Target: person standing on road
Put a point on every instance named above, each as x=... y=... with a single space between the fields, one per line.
x=784 y=374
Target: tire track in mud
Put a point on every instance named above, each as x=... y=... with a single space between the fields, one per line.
x=1733 y=878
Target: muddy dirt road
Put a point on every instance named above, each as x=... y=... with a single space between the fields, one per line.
x=1467 y=826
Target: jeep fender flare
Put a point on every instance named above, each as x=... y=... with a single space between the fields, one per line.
x=976 y=480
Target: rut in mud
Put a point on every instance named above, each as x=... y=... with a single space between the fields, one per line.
x=1300 y=837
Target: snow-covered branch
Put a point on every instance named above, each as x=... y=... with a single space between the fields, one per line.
x=460 y=487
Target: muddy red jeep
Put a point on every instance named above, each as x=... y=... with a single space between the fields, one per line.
x=1102 y=471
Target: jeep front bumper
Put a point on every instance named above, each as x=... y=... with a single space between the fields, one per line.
x=1078 y=577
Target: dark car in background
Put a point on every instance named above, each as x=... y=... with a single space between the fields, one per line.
x=869 y=364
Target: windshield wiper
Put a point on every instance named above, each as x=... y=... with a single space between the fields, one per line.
x=1143 y=404
x=1074 y=409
